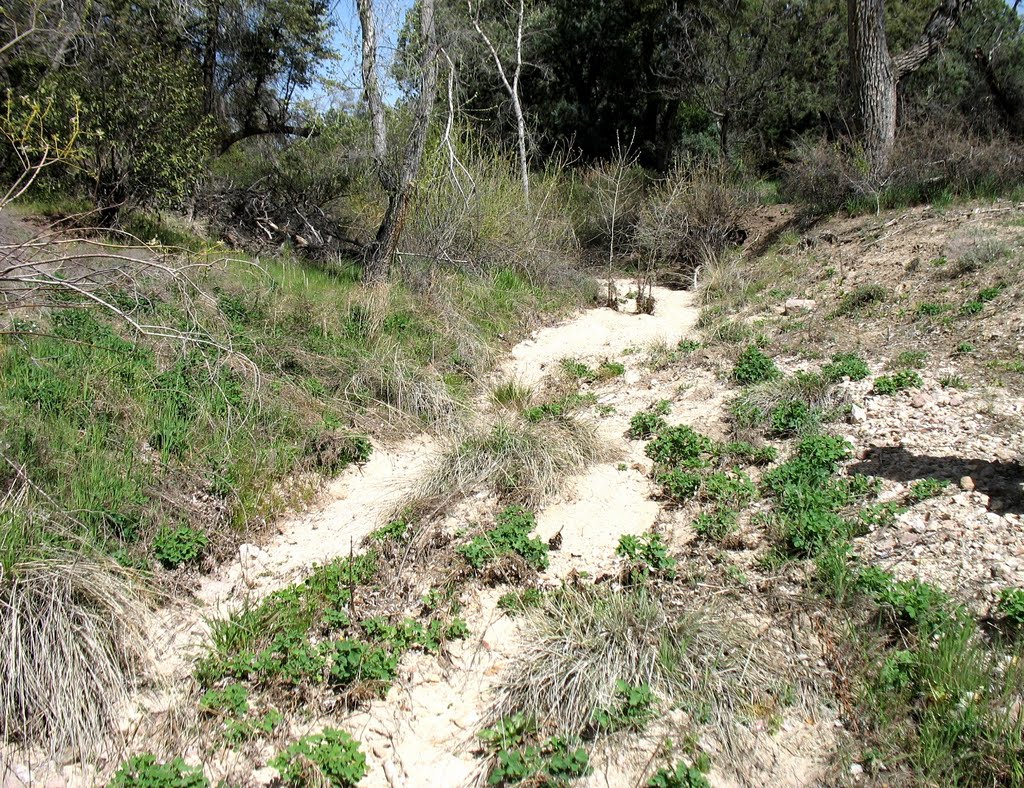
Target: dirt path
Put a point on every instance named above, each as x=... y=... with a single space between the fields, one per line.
x=423 y=731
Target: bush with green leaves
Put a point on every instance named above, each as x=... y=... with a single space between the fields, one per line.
x=330 y=757
x=511 y=534
x=648 y=552
x=741 y=451
x=899 y=381
x=846 y=365
x=176 y=546
x=145 y=771
x=753 y=366
x=679 y=485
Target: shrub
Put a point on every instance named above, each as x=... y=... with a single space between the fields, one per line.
x=897 y=382
x=846 y=365
x=753 y=366
x=332 y=757
x=145 y=771
x=176 y=546
x=696 y=212
x=745 y=452
x=931 y=309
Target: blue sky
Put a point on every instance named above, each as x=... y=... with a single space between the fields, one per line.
x=346 y=71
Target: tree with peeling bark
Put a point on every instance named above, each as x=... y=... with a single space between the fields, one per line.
x=877 y=74
x=511 y=86
x=396 y=173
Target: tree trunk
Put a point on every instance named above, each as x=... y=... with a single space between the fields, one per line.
x=877 y=74
x=211 y=44
x=397 y=185
x=874 y=76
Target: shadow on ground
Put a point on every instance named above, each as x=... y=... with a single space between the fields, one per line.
x=1002 y=482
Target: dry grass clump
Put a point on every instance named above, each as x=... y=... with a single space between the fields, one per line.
x=816 y=391
x=521 y=462
x=391 y=379
x=72 y=638
x=583 y=639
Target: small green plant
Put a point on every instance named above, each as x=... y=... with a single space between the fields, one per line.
x=846 y=365
x=232 y=700
x=926 y=488
x=331 y=756
x=679 y=485
x=645 y=424
x=954 y=382
x=680 y=776
x=680 y=446
x=734 y=489
x=688 y=346
x=396 y=531
x=930 y=309
x=553 y=762
x=990 y=293
x=633 y=707
x=176 y=546
x=511 y=534
x=910 y=359
x=509 y=732
x=515 y=602
x=741 y=451
x=240 y=731
x=610 y=369
x=577 y=369
x=1010 y=607
x=793 y=417
x=715 y=525
x=859 y=299
x=964 y=348
x=649 y=551
x=753 y=366
x=899 y=381
x=971 y=308
x=145 y=771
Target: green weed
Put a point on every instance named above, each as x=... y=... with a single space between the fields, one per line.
x=897 y=382
x=176 y=546
x=511 y=534
x=332 y=757
x=145 y=771
x=753 y=366
x=846 y=365
x=633 y=707
x=649 y=553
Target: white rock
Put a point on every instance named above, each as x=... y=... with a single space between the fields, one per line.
x=800 y=305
